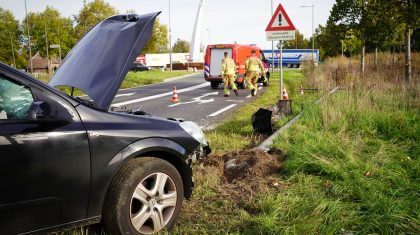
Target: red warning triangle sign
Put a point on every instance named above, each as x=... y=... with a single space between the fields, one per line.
x=280 y=21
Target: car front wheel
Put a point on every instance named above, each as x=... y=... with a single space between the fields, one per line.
x=145 y=197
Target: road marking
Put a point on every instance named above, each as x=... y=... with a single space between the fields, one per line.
x=259 y=88
x=222 y=110
x=197 y=99
x=126 y=94
x=238 y=101
x=248 y=96
x=161 y=95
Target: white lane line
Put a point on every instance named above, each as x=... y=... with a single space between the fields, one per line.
x=161 y=95
x=126 y=94
x=236 y=101
x=222 y=110
x=197 y=99
x=248 y=96
x=259 y=88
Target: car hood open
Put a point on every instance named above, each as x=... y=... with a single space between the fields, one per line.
x=99 y=62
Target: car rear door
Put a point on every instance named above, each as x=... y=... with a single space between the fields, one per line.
x=44 y=165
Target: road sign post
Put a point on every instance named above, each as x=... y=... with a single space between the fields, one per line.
x=280 y=28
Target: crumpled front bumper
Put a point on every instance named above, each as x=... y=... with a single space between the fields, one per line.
x=201 y=152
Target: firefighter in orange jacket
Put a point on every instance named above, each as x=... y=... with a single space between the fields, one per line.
x=228 y=73
x=254 y=68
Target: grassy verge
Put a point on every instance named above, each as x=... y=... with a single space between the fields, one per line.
x=237 y=133
x=353 y=161
x=134 y=79
x=212 y=210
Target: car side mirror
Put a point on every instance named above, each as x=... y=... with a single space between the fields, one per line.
x=39 y=110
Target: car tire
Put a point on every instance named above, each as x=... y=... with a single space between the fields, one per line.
x=214 y=85
x=289 y=66
x=296 y=66
x=268 y=80
x=144 y=197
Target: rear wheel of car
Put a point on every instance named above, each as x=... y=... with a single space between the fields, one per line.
x=289 y=66
x=214 y=85
x=296 y=66
x=144 y=197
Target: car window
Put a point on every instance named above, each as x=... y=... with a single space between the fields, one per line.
x=15 y=100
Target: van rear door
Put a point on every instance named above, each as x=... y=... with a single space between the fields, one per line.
x=216 y=57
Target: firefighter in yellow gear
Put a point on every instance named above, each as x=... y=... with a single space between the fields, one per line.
x=254 y=68
x=228 y=73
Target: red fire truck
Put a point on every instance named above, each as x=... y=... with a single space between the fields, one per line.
x=239 y=53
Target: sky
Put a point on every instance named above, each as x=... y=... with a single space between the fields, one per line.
x=224 y=21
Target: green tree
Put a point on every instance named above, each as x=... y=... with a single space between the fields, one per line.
x=328 y=39
x=90 y=15
x=10 y=36
x=158 y=43
x=350 y=44
x=299 y=43
x=354 y=15
x=181 y=46
x=49 y=27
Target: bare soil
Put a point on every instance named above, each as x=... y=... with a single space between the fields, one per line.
x=244 y=174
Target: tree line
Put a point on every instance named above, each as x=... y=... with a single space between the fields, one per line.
x=355 y=27
x=51 y=28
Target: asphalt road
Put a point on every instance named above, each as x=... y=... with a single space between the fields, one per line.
x=198 y=102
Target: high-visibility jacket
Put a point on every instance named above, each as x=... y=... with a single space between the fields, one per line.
x=228 y=66
x=254 y=64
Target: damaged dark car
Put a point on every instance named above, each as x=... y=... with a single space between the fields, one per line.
x=69 y=161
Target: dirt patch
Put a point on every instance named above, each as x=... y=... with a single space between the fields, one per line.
x=245 y=174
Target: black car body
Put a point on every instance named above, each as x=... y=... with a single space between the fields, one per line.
x=65 y=162
x=138 y=67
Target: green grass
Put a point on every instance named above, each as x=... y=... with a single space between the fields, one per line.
x=208 y=212
x=353 y=165
x=134 y=79
x=237 y=133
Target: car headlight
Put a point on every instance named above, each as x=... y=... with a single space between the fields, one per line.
x=195 y=131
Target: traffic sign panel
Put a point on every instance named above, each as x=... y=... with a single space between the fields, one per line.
x=280 y=26
x=280 y=35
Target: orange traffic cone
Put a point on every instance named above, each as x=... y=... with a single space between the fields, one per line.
x=285 y=95
x=175 y=96
x=301 y=89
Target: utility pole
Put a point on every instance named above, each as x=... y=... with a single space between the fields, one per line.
x=313 y=34
x=170 y=39
x=46 y=44
x=272 y=46
x=13 y=50
x=29 y=40
x=59 y=43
